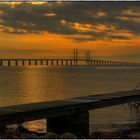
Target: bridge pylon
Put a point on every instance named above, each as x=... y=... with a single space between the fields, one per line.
x=75 y=56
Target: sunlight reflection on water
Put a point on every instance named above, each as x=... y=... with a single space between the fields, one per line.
x=19 y=85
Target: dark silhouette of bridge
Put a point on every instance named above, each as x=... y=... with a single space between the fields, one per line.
x=75 y=61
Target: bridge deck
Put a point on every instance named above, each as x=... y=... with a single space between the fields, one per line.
x=52 y=109
x=64 y=62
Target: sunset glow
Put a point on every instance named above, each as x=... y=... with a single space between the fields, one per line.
x=52 y=29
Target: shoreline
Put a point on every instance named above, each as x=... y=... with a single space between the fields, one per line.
x=132 y=132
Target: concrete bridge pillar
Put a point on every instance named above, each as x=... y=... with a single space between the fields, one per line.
x=9 y=63
x=52 y=63
x=29 y=62
x=1 y=63
x=57 y=62
x=94 y=63
x=35 y=62
x=23 y=62
x=46 y=62
x=66 y=62
x=74 y=123
x=41 y=62
x=62 y=63
x=91 y=62
x=16 y=62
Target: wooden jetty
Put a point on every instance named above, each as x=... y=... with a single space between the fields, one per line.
x=65 y=62
x=70 y=115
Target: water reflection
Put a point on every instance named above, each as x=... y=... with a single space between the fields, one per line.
x=20 y=85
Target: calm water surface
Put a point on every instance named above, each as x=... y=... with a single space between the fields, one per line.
x=19 y=85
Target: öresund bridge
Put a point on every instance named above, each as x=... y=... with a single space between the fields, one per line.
x=75 y=61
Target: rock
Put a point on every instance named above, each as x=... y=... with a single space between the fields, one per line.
x=3 y=128
x=49 y=135
x=28 y=136
x=81 y=135
x=23 y=129
x=11 y=134
x=68 y=135
x=100 y=135
x=135 y=135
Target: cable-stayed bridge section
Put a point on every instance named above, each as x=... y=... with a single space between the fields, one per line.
x=75 y=61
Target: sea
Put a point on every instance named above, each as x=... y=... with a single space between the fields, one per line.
x=30 y=84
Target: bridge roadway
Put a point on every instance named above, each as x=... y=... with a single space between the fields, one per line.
x=71 y=115
x=64 y=62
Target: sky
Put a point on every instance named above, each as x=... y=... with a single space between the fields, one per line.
x=53 y=29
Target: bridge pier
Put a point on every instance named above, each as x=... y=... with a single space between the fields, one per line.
x=9 y=63
x=29 y=62
x=47 y=62
x=1 y=63
x=74 y=123
x=52 y=63
x=35 y=62
x=91 y=63
x=41 y=62
x=97 y=63
x=16 y=62
x=66 y=62
x=23 y=62
x=62 y=63
x=57 y=63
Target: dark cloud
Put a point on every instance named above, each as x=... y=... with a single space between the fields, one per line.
x=29 y=18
